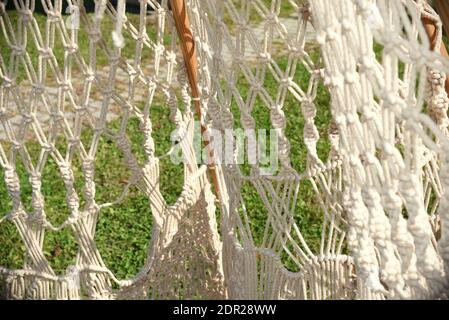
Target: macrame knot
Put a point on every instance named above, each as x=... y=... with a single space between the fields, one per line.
x=159 y=49
x=284 y=150
x=13 y=184
x=45 y=53
x=38 y=89
x=36 y=183
x=350 y=77
x=66 y=173
x=16 y=145
x=366 y=64
x=256 y=86
x=296 y=51
x=351 y=118
x=65 y=86
x=392 y=201
x=88 y=168
x=160 y=11
x=248 y=121
x=370 y=196
x=285 y=82
x=71 y=49
x=27 y=118
x=334 y=81
x=124 y=145
x=278 y=118
x=271 y=19
x=26 y=14
x=436 y=77
x=53 y=16
x=56 y=116
x=133 y=72
x=94 y=35
x=407 y=186
x=90 y=75
x=308 y=109
x=228 y=119
x=214 y=108
x=47 y=147
x=175 y=113
x=17 y=50
x=187 y=99
x=441 y=101
x=242 y=26
x=390 y=99
x=74 y=142
x=311 y=133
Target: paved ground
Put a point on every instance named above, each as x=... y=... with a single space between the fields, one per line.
x=121 y=84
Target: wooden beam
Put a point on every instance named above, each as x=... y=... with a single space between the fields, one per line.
x=431 y=30
x=442 y=8
x=187 y=43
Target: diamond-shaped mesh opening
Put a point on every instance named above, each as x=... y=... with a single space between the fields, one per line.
x=60 y=250
x=125 y=228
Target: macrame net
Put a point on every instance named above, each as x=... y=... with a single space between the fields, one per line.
x=377 y=166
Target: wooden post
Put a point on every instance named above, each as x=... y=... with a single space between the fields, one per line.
x=188 y=48
x=187 y=43
x=442 y=7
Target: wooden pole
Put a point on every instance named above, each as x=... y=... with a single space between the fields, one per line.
x=442 y=8
x=187 y=43
x=431 y=31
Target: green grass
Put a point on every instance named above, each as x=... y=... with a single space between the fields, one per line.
x=123 y=231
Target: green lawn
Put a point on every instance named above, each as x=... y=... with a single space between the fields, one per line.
x=123 y=231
